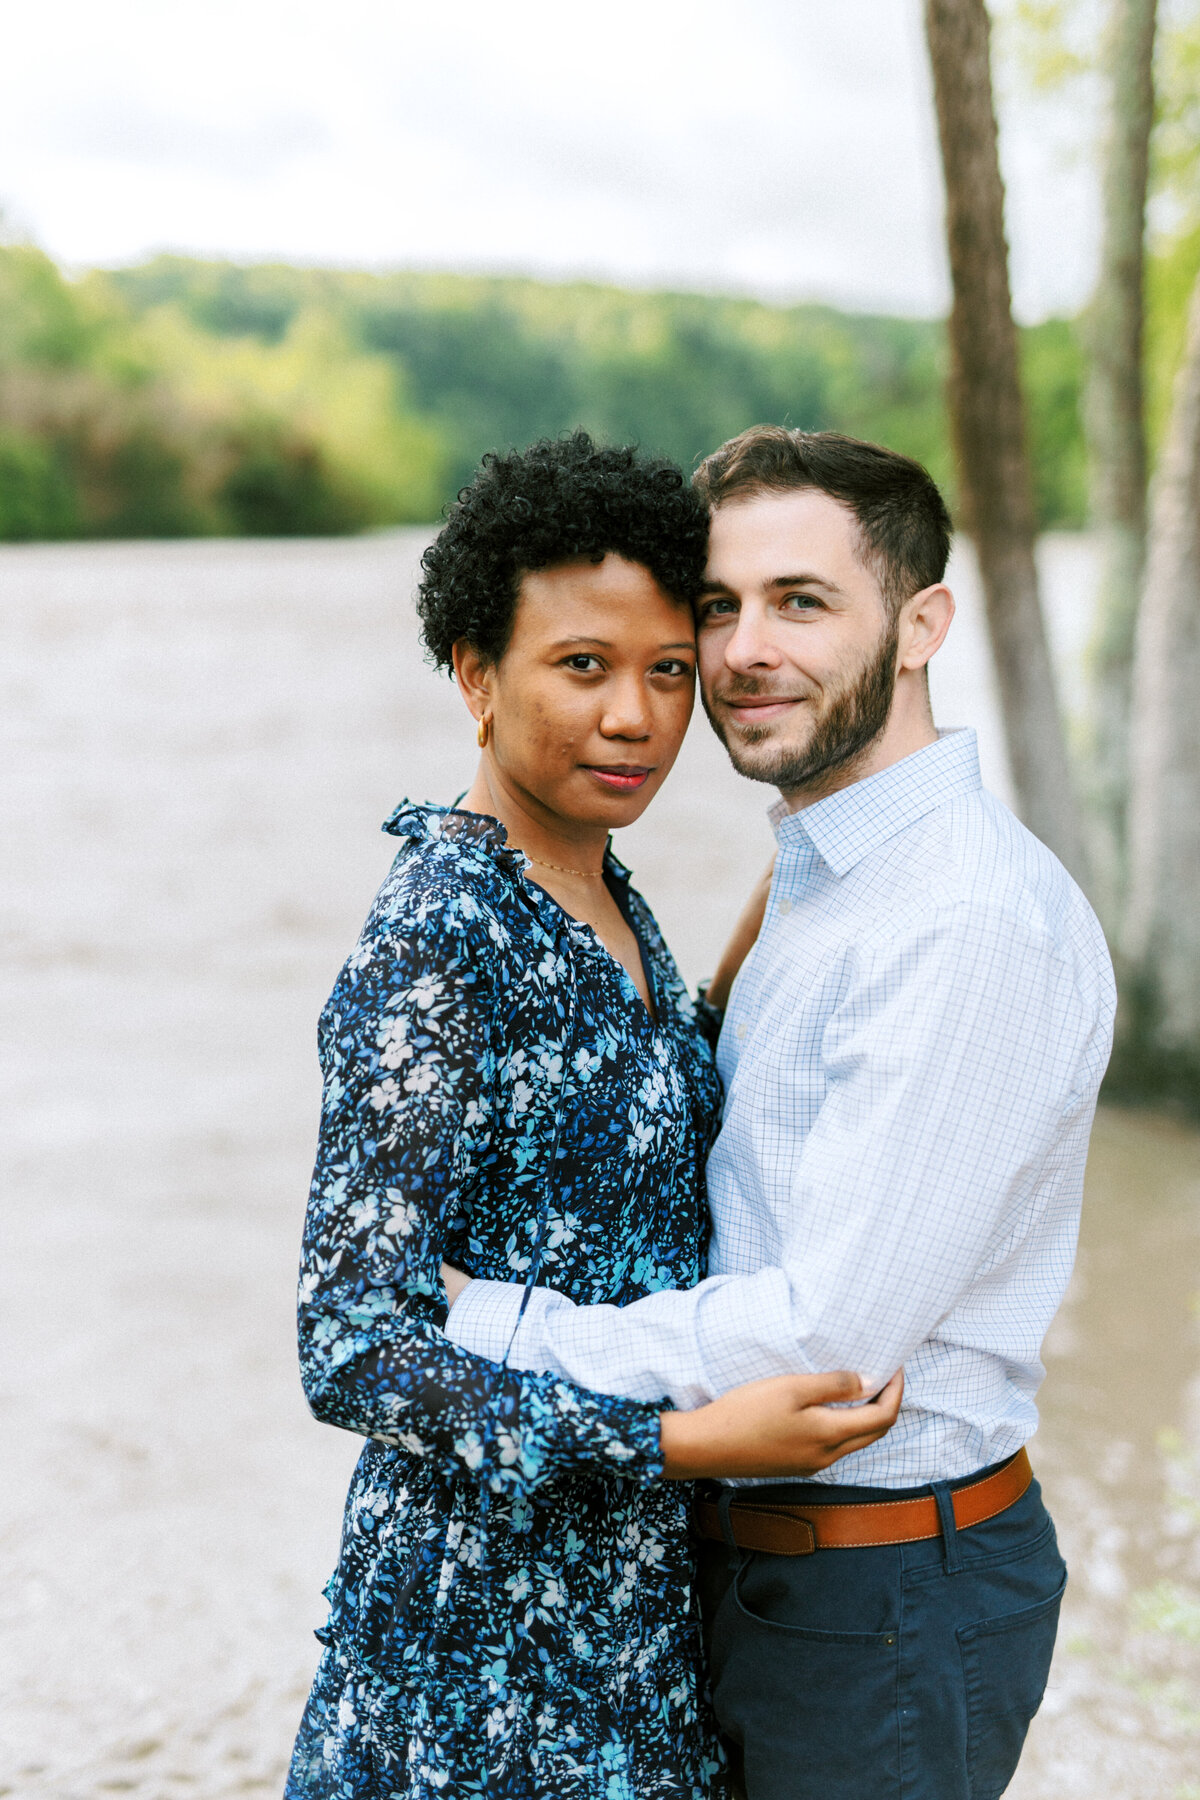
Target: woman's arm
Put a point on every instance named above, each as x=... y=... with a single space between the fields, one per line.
x=785 y=1428
x=406 y=1123
x=741 y=942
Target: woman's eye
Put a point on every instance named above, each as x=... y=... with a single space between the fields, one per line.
x=582 y=663
x=672 y=665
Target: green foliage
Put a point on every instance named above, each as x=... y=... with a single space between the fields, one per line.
x=1168 y=1610
x=44 y=322
x=191 y=397
x=1171 y=275
x=1174 y=263
x=496 y=363
x=1053 y=41
x=36 y=496
x=118 y=420
x=1056 y=45
x=1052 y=366
x=1177 y=134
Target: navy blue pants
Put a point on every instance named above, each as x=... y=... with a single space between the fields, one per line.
x=903 y=1672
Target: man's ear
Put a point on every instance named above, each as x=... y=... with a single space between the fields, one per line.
x=474 y=675
x=924 y=622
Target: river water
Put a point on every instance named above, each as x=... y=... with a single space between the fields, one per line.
x=199 y=742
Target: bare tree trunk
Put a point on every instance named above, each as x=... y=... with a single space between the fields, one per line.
x=1115 y=423
x=987 y=421
x=1162 y=934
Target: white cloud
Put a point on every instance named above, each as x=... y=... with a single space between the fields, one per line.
x=786 y=147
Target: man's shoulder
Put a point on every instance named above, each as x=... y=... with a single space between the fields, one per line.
x=972 y=867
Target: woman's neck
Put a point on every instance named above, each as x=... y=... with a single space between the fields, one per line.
x=565 y=845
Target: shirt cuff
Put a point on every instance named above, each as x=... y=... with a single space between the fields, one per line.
x=484 y=1317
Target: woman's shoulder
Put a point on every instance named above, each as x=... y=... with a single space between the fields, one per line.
x=452 y=881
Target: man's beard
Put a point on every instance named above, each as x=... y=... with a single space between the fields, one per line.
x=854 y=717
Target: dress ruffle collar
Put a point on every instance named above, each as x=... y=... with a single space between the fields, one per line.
x=472 y=831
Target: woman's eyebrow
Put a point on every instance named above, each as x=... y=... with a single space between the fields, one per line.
x=604 y=644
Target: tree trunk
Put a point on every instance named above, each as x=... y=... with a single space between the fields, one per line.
x=1115 y=425
x=987 y=422
x=1162 y=934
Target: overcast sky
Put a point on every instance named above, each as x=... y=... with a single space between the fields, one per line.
x=778 y=147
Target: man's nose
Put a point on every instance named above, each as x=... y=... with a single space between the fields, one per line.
x=749 y=646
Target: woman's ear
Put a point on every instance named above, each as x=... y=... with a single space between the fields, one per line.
x=473 y=673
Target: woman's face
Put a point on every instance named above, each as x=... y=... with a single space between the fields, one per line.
x=592 y=697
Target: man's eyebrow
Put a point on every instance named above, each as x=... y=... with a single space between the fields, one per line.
x=805 y=580
x=777 y=581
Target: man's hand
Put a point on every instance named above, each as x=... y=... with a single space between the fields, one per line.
x=454 y=1281
x=784 y=1428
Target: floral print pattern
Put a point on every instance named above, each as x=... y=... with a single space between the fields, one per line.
x=511 y=1614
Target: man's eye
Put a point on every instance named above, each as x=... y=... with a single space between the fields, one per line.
x=803 y=602
x=718 y=609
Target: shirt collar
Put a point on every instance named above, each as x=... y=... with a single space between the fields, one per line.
x=848 y=825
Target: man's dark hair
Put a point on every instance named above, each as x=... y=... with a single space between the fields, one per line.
x=531 y=509
x=903 y=525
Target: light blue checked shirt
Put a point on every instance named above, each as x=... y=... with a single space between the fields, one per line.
x=911 y=1057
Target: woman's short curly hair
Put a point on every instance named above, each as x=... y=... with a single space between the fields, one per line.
x=530 y=509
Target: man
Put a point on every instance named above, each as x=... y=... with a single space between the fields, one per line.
x=911 y=1057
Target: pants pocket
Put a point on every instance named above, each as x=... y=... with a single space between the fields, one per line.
x=1006 y=1662
x=813 y=1712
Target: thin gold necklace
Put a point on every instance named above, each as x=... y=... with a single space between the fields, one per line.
x=562 y=869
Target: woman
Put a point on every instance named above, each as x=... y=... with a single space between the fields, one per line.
x=515 y=1082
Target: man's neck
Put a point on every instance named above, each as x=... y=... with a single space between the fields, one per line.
x=910 y=728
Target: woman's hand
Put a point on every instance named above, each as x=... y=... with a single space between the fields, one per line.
x=783 y=1428
x=741 y=942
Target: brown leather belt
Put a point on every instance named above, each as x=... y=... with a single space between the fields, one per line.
x=785 y=1529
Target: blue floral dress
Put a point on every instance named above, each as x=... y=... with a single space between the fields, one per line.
x=512 y=1612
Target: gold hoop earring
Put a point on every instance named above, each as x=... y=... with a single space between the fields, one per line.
x=484 y=730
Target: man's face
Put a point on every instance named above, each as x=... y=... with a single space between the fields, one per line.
x=797 y=648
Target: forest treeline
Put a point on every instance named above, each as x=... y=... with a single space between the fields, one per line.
x=187 y=397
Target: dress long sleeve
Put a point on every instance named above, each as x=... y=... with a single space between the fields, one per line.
x=412 y=1085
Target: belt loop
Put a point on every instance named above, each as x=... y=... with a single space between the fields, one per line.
x=950 y=1544
x=724 y=1501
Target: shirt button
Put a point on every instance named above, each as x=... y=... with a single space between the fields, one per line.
x=785 y=907
x=741 y=1031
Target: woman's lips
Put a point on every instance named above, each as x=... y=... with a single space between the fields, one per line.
x=623 y=777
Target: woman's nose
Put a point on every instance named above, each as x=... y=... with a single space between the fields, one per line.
x=627 y=713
